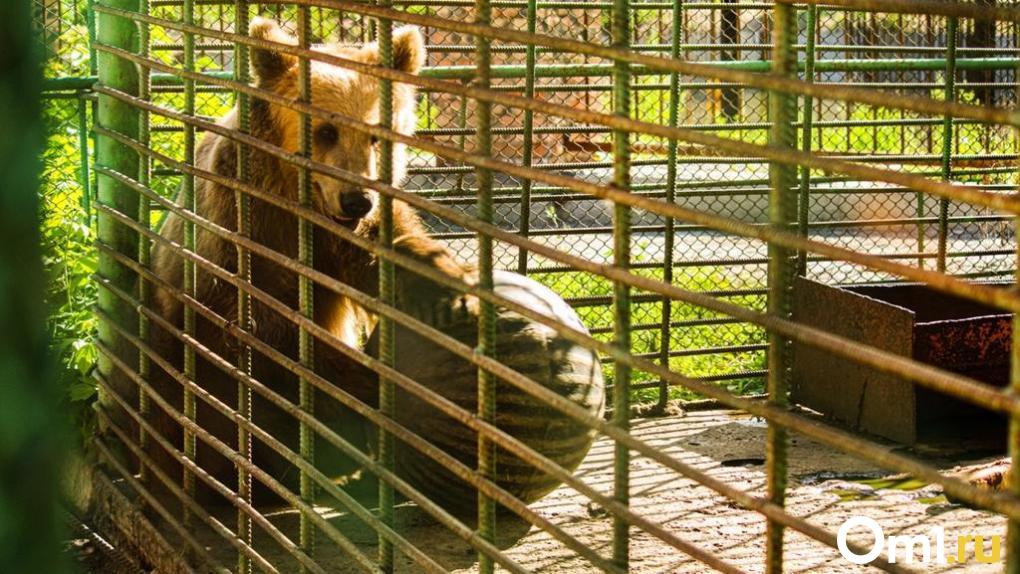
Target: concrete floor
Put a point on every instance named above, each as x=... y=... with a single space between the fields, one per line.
x=825 y=488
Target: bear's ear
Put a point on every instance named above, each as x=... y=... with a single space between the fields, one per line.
x=408 y=49
x=268 y=65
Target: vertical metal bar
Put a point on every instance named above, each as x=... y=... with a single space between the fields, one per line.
x=90 y=22
x=487 y=382
x=242 y=58
x=807 y=119
x=387 y=341
x=669 y=238
x=190 y=285
x=947 y=138
x=122 y=118
x=530 y=57
x=620 y=31
x=1013 y=526
x=144 y=244
x=306 y=393
x=83 y=157
x=781 y=268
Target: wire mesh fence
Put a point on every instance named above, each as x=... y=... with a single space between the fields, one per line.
x=666 y=168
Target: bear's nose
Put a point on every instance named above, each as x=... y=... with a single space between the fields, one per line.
x=356 y=204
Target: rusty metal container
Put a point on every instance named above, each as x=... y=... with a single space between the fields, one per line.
x=909 y=320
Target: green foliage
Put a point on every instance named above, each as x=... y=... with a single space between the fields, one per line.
x=571 y=285
x=69 y=257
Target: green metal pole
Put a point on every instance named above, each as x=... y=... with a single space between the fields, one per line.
x=1013 y=526
x=527 y=152
x=190 y=277
x=387 y=340
x=665 y=337
x=144 y=217
x=84 y=158
x=242 y=58
x=947 y=139
x=306 y=302
x=487 y=382
x=621 y=293
x=782 y=266
x=90 y=22
x=123 y=118
x=807 y=117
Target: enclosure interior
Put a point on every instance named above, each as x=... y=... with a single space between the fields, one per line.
x=680 y=288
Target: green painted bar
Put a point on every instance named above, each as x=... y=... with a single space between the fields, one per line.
x=598 y=70
x=190 y=278
x=306 y=303
x=665 y=336
x=83 y=148
x=144 y=217
x=527 y=151
x=782 y=266
x=807 y=122
x=122 y=118
x=487 y=382
x=387 y=342
x=947 y=139
x=620 y=31
x=1013 y=440
x=242 y=55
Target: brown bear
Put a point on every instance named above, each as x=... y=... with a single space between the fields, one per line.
x=344 y=92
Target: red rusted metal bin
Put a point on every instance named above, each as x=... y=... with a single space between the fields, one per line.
x=909 y=320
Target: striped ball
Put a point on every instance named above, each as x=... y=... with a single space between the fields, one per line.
x=529 y=348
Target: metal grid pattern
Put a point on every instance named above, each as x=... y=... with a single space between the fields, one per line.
x=670 y=200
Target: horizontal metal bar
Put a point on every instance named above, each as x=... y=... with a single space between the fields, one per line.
x=193 y=506
x=769 y=81
x=1005 y=503
x=771 y=152
x=328 y=337
x=999 y=298
x=348 y=502
x=920 y=7
x=964 y=388
x=511 y=443
x=157 y=505
x=256 y=516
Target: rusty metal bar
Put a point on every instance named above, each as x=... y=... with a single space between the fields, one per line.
x=345 y=499
x=772 y=153
x=188 y=200
x=503 y=439
x=387 y=280
x=171 y=484
x=947 y=141
x=487 y=383
x=830 y=436
x=995 y=297
x=338 y=394
x=620 y=33
x=885 y=362
x=242 y=59
x=782 y=267
x=306 y=301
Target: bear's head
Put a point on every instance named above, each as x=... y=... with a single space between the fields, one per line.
x=343 y=92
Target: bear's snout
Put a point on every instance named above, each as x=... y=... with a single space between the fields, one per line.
x=355 y=204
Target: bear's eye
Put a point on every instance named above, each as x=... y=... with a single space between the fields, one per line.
x=327 y=135
x=375 y=140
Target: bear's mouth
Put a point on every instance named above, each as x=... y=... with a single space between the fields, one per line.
x=348 y=222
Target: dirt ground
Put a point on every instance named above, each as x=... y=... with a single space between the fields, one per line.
x=827 y=487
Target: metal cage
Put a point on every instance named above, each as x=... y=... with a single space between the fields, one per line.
x=668 y=168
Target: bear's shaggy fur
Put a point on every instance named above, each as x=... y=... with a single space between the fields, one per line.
x=343 y=92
